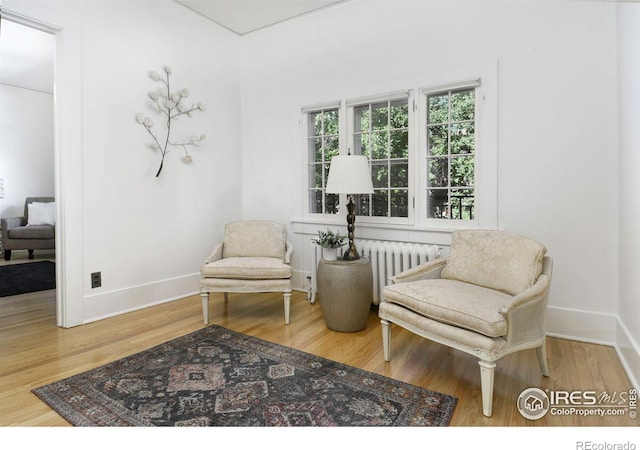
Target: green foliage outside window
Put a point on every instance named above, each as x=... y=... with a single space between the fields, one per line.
x=451 y=155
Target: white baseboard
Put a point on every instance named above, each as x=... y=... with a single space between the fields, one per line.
x=597 y=328
x=629 y=353
x=112 y=303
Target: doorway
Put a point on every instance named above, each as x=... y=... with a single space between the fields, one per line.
x=67 y=150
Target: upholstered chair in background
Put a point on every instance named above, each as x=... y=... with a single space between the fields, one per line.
x=487 y=298
x=254 y=256
x=34 y=230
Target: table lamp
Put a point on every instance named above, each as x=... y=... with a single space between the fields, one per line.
x=350 y=174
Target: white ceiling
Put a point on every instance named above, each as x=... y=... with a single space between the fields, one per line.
x=245 y=16
x=27 y=55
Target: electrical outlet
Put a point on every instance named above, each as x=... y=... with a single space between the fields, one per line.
x=96 y=280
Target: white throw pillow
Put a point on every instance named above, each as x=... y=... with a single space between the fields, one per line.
x=42 y=213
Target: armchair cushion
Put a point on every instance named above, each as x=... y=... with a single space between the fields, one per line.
x=32 y=232
x=247 y=268
x=464 y=305
x=494 y=259
x=255 y=238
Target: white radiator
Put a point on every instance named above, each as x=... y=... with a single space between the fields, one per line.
x=387 y=259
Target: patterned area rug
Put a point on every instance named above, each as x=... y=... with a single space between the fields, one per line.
x=218 y=377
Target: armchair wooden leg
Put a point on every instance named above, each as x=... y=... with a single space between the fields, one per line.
x=386 y=339
x=542 y=358
x=31 y=255
x=287 y=306
x=7 y=255
x=226 y=297
x=205 y=306
x=486 y=380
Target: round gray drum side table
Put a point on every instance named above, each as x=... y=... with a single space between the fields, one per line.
x=345 y=290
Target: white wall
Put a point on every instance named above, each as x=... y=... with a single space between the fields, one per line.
x=557 y=129
x=147 y=235
x=629 y=94
x=26 y=147
x=162 y=227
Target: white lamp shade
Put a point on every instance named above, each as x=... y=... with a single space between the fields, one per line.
x=349 y=174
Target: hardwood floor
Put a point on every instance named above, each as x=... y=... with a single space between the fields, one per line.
x=35 y=352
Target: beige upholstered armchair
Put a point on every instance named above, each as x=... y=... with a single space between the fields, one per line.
x=488 y=298
x=255 y=256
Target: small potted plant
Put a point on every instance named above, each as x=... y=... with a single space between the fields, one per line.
x=330 y=243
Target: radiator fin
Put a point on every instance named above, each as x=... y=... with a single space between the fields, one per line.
x=388 y=258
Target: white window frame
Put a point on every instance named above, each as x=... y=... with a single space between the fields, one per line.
x=350 y=129
x=424 y=138
x=486 y=156
x=484 y=78
x=339 y=105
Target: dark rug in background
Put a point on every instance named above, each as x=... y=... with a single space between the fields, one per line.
x=27 y=277
x=219 y=377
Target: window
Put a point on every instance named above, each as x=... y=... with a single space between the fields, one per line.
x=322 y=145
x=432 y=152
x=450 y=153
x=381 y=132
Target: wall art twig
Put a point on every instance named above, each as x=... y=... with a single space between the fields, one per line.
x=171 y=106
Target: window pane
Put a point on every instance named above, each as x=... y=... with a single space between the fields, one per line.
x=399 y=174
x=438 y=109
x=463 y=105
x=379 y=116
x=315 y=150
x=438 y=140
x=362 y=145
x=399 y=114
x=331 y=122
x=362 y=207
x=463 y=139
x=438 y=172
x=331 y=203
x=399 y=141
x=380 y=203
x=380 y=145
x=361 y=121
x=315 y=123
x=462 y=204
x=379 y=175
x=315 y=201
x=437 y=204
x=462 y=170
x=315 y=176
x=400 y=203
x=331 y=147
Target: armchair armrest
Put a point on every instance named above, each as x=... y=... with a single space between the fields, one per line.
x=13 y=222
x=216 y=253
x=525 y=312
x=288 y=252
x=428 y=270
x=533 y=294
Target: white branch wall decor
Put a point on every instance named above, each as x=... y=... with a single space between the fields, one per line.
x=170 y=105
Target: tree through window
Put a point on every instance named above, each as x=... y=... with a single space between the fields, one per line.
x=451 y=137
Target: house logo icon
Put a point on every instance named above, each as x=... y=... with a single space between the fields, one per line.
x=533 y=403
